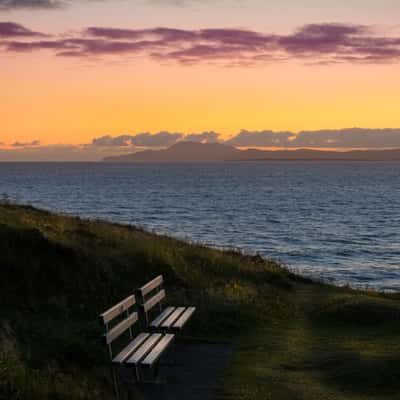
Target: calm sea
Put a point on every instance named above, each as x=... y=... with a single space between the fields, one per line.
x=335 y=221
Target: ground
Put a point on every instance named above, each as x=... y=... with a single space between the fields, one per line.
x=289 y=337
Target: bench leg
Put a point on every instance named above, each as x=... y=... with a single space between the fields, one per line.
x=115 y=382
x=149 y=376
x=137 y=373
x=156 y=370
x=143 y=376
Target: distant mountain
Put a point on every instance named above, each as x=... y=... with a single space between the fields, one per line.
x=182 y=152
x=217 y=152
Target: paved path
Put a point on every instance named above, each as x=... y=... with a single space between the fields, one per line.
x=194 y=375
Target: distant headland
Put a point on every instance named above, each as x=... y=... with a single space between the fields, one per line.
x=187 y=151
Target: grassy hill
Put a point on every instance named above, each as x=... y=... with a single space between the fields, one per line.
x=292 y=338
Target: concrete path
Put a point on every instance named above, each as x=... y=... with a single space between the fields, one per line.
x=194 y=373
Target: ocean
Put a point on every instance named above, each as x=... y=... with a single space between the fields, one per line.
x=339 y=222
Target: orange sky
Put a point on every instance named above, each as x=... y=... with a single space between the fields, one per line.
x=70 y=103
x=61 y=100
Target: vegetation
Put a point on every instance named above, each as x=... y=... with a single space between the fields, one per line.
x=292 y=338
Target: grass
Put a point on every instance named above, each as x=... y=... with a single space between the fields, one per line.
x=292 y=338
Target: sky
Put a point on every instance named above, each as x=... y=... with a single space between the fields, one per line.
x=81 y=79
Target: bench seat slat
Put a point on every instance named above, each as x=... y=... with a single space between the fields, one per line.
x=128 y=350
x=144 y=349
x=180 y=323
x=162 y=317
x=158 y=349
x=173 y=317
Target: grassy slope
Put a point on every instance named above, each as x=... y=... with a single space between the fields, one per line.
x=292 y=338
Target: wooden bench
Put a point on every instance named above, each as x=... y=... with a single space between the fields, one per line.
x=169 y=318
x=142 y=351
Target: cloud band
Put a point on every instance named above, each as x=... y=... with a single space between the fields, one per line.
x=326 y=43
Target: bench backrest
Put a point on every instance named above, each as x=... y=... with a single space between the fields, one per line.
x=152 y=294
x=126 y=319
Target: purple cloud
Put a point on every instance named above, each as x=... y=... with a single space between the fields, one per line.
x=6 y=5
x=75 y=47
x=11 y=29
x=112 y=33
x=155 y=34
x=322 y=38
x=317 y=43
x=32 y=4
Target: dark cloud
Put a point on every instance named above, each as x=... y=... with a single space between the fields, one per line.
x=75 y=47
x=54 y=153
x=118 y=141
x=204 y=137
x=11 y=29
x=322 y=38
x=125 y=144
x=160 y=139
x=54 y=4
x=155 y=34
x=317 y=43
x=31 y=4
x=26 y=144
x=261 y=139
x=342 y=138
x=349 y=138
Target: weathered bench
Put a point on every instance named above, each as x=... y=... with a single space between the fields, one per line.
x=142 y=352
x=170 y=318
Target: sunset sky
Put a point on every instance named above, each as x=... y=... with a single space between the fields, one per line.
x=72 y=71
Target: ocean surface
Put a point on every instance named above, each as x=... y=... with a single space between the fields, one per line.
x=334 y=221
